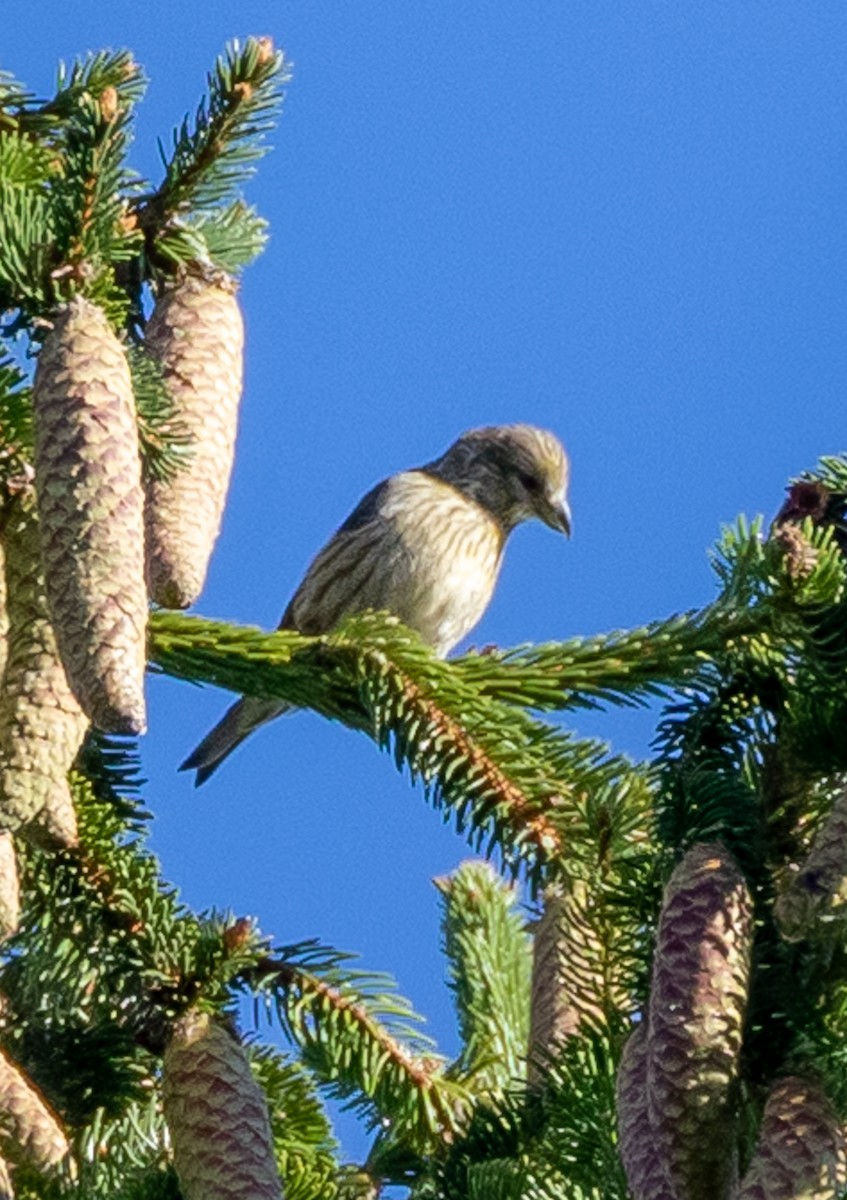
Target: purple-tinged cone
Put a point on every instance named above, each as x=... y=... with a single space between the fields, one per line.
x=217 y=1115
x=698 y=1001
x=29 y=1131
x=645 y=1172
x=801 y=1153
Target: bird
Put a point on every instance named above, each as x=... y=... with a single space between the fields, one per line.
x=426 y=545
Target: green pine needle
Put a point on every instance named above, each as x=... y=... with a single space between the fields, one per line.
x=213 y=156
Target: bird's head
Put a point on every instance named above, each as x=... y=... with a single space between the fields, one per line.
x=515 y=471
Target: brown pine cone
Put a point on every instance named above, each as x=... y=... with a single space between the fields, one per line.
x=643 y=1166
x=29 y=1131
x=7 y=1192
x=197 y=335
x=90 y=501
x=10 y=907
x=570 y=989
x=801 y=1153
x=41 y=723
x=698 y=1000
x=217 y=1115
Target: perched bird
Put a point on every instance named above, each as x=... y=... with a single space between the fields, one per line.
x=426 y=545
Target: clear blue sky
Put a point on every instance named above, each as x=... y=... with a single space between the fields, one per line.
x=625 y=221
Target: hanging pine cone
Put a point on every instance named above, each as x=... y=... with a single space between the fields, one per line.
x=29 y=1132
x=41 y=723
x=569 y=987
x=698 y=998
x=90 y=500
x=7 y=1192
x=10 y=907
x=196 y=334
x=643 y=1166
x=800 y=1154
x=819 y=889
x=217 y=1115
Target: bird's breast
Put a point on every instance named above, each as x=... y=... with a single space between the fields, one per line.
x=448 y=559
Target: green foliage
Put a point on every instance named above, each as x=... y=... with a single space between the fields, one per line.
x=216 y=154
x=361 y=1039
x=165 y=443
x=488 y=950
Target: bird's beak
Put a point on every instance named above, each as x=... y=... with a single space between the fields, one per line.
x=558 y=515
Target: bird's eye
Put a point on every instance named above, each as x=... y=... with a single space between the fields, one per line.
x=531 y=483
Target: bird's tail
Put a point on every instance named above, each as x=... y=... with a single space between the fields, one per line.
x=241 y=719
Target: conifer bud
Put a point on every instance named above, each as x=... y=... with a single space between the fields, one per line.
x=217 y=1115
x=801 y=1151
x=197 y=335
x=10 y=906
x=29 y=1131
x=41 y=723
x=819 y=889
x=643 y=1167
x=90 y=501
x=698 y=999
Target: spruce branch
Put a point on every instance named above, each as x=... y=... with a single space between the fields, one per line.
x=305 y=1149
x=27 y=221
x=359 y=1038
x=213 y=156
x=91 y=76
x=13 y=95
x=232 y=237
x=510 y=781
x=627 y=667
x=15 y=424
x=163 y=440
x=487 y=949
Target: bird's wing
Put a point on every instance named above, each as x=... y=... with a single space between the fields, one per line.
x=341 y=579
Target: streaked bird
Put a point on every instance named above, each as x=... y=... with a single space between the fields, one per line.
x=426 y=545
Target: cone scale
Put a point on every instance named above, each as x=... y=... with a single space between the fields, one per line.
x=801 y=1151
x=197 y=336
x=29 y=1131
x=644 y=1169
x=41 y=723
x=217 y=1115
x=90 y=502
x=698 y=1000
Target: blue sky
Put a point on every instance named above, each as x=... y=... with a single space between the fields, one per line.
x=623 y=221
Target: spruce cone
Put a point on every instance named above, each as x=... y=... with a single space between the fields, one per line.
x=801 y=1152
x=698 y=1000
x=643 y=1166
x=569 y=986
x=819 y=889
x=9 y=889
x=196 y=334
x=41 y=724
x=7 y=1192
x=217 y=1115
x=28 y=1129
x=90 y=500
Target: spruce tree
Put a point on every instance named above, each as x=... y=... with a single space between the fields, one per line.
x=669 y=1022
